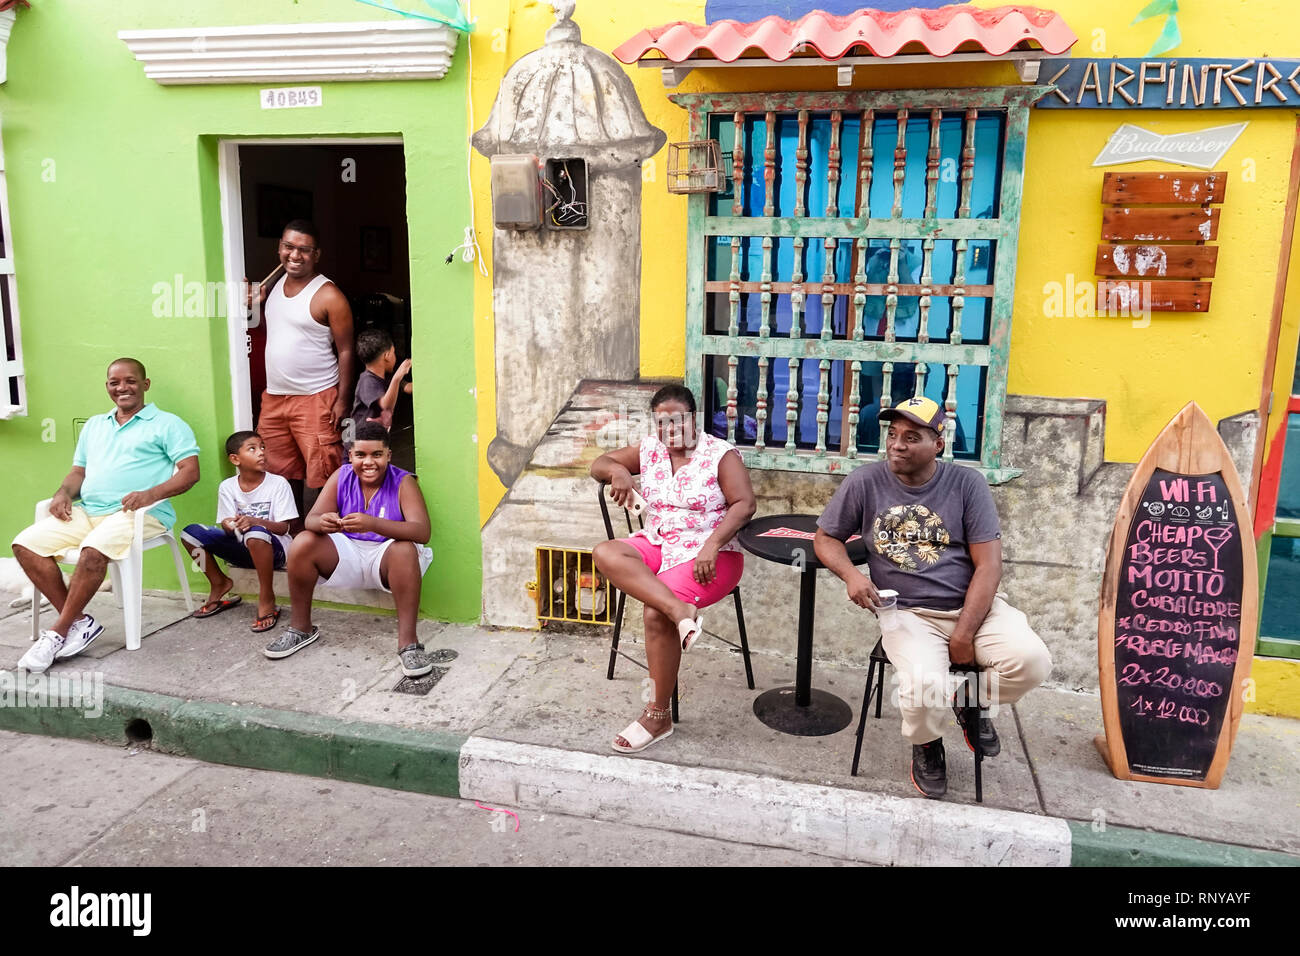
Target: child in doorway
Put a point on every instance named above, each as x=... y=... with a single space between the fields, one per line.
x=254 y=509
x=378 y=386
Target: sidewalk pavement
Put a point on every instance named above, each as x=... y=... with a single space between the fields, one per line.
x=524 y=720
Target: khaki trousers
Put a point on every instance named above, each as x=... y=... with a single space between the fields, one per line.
x=1013 y=656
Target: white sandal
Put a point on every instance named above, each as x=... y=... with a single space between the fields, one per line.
x=638 y=737
x=690 y=629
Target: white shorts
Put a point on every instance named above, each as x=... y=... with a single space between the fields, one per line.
x=358 y=567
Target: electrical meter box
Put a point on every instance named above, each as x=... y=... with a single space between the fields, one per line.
x=516 y=192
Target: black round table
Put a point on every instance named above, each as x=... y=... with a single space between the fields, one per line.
x=801 y=709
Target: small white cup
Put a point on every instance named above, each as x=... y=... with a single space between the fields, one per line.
x=887 y=613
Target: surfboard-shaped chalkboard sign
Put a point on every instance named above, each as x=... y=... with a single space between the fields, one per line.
x=1179 y=603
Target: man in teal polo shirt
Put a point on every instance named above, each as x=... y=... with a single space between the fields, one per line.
x=133 y=457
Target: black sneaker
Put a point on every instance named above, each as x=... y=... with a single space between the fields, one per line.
x=930 y=769
x=989 y=742
x=290 y=641
x=415 y=662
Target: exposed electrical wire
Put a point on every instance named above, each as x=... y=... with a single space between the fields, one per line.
x=571 y=212
x=470 y=245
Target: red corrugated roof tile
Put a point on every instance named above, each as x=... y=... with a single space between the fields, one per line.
x=877 y=32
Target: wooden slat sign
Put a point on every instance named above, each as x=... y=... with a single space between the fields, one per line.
x=1194 y=188
x=1177 y=623
x=1156 y=261
x=1129 y=298
x=1140 y=242
x=1159 y=225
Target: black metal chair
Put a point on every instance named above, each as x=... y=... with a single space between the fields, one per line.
x=876 y=675
x=972 y=718
x=615 y=653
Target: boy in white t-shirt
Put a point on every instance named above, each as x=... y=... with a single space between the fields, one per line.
x=254 y=509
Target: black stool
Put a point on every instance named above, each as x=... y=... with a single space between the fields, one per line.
x=876 y=688
x=615 y=653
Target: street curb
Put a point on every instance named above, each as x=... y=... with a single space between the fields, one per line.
x=1122 y=846
x=360 y=752
x=745 y=808
x=845 y=824
x=728 y=805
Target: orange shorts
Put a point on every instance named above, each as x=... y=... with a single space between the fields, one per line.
x=300 y=444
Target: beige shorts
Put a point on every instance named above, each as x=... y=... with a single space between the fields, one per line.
x=110 y=535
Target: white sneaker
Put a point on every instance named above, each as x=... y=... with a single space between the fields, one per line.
x=41 y=656
x=81 y=635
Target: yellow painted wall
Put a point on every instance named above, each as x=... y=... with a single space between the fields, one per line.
x=1277 y=687
x=1145 y=374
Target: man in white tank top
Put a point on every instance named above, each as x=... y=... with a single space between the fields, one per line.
x=309 y=365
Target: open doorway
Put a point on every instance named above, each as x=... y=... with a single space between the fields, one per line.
x=356 y=195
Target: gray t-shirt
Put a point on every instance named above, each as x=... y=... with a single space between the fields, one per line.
x=917 y=538
x=365 y=402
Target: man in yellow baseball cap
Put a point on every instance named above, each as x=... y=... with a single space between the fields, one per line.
x=933 y=536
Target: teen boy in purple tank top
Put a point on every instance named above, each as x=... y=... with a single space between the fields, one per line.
x=367 y=529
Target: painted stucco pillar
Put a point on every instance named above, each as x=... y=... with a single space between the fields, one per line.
x=566 y=302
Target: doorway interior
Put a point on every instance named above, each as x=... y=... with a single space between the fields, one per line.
x=355 y=193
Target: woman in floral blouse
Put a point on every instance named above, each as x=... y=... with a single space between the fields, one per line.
x=698 y=496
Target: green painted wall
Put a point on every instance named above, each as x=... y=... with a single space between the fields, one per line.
x=113 y=187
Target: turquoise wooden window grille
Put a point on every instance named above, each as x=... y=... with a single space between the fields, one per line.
x=839 y=272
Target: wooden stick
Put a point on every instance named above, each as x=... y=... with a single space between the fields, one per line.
x=271 y=279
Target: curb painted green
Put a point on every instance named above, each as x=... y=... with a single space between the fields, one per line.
x=1121 y=846
x=360 y=752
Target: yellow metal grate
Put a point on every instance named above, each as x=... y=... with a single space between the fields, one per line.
x=569 y=588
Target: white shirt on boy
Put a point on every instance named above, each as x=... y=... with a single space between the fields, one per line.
x=272 y=500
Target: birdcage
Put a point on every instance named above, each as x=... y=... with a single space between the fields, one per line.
x=695 y=167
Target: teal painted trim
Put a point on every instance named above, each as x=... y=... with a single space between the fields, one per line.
x=852 y=228
x=979 y=97
x=1120 y=846
x=696 y=248
x=1004 y=283
x=375 y=754
x=845 y=349
x=1277 y=647
x=1263 y=548
x=1274 y=646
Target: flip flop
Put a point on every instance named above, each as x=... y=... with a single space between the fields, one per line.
x=639 y=738
x=690 y=630
x=216 y=607
x=266 y=622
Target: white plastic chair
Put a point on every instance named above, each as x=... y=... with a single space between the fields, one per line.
x=127 y=575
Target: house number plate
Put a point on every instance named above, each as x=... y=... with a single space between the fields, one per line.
x=290 y=97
